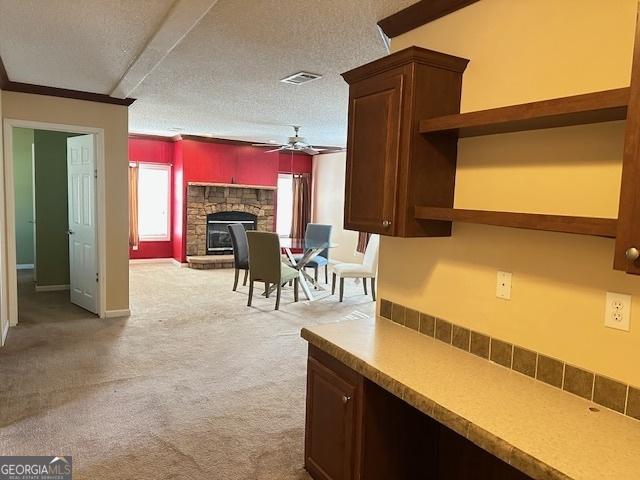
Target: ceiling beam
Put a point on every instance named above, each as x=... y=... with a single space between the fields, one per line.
x=418 y=14
x=181 y=19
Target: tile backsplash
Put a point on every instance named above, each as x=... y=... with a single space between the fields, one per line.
x=589 y=385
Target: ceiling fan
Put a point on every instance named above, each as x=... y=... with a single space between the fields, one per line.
x=295 y=144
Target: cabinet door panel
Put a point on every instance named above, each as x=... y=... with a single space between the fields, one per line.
x=373 y=154
x=330 y=434
x=627 y=253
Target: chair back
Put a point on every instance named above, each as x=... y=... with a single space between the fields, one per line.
x=240 y=246
x=370 y=260
x=264 y=256
x=318 y=233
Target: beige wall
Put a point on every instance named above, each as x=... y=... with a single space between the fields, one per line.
x=328 y=204
x=525 y=51
x=4 y=314
x=114 y=120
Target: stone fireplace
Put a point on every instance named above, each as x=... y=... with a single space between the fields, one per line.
x=204 y=200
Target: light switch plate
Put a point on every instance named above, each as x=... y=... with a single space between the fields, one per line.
x=617 y=313
x=503 y=285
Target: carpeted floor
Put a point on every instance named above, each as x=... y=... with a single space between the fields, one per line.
x=194 y=385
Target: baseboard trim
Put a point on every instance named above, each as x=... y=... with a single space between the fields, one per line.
x=117 y=313
x=133 y=261
x=25 y=266
x=5 y=332
x=51 y=288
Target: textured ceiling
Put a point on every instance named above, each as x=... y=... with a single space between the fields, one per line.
x=77 y=44
x=222 y=79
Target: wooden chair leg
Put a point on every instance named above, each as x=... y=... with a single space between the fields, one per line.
x=333 y=285
x=364 y=284
x=373 y=288
x=315 y=273
x=266 y=289
x=250 y=293
x=296 y=282
x=326 y=274
x=278 y=290
x=246 y=274
x=341 y=288
x=235 y=281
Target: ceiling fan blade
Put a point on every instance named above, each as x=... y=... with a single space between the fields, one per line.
x=277 y=149
x=264 y=144
x=310 y=151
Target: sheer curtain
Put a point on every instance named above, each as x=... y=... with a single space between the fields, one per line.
x=134 y=236
x=301 y=204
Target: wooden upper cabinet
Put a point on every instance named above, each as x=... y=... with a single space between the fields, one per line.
x=389 y=163
x=374 y=124
x=627 y=252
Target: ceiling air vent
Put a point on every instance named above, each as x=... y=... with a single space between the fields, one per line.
x=300 y=78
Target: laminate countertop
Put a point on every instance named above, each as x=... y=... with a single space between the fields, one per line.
x=545 y=432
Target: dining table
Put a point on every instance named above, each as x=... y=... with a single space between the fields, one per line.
x=310 y=249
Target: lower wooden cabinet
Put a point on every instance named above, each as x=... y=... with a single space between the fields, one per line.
x=356 y=430
x=332 y=427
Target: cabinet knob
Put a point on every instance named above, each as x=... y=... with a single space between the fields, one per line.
x=345 y=399
x=386 y=223
x=632 y=254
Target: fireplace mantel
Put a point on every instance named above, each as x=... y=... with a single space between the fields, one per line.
x=231 y=185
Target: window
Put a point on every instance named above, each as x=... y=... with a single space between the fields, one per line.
x=285 y=205
x=154 y=207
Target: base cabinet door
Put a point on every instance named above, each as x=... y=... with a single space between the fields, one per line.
x=330 y=440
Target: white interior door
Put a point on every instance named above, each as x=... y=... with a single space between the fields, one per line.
x=83 y=251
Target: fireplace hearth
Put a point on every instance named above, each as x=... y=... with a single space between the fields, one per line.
x=218 y=236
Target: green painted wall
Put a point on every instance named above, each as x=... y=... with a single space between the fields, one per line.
x=52 y=243
x=23 y=182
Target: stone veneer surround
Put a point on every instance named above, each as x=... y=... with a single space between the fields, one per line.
x=204 y=200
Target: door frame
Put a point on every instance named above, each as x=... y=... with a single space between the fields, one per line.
x=9 y=306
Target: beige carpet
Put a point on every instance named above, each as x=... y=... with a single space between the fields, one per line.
x=194 y=385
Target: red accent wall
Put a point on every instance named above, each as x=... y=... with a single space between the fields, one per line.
x=225 y=163
x=301 y=163
x=195 y=161
x=154 y=151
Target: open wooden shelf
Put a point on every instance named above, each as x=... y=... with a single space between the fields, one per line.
x=605 y=106
x=603 y=227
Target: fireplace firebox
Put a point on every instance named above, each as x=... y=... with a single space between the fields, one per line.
x=218 y=236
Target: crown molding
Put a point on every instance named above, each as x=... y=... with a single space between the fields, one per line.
x=418 y=14
x=9 y=86
x=223 y=141
x=4 y=79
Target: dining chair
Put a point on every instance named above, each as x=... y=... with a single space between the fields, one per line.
x=240 y=252
x=317 y=233
x=364 y=270
x=266 y=265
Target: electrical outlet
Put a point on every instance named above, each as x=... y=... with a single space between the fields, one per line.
x=503 y=286
x=617 y=312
